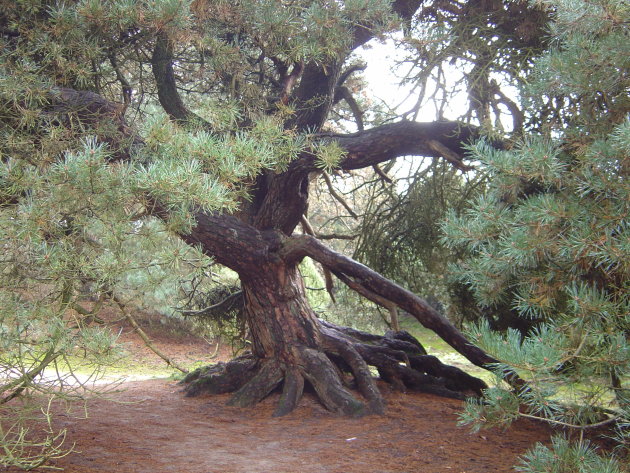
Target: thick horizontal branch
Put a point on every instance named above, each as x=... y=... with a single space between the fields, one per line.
x=405 y=138
x=232 y=242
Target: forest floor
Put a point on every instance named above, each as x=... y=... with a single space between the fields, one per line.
x=148 y=426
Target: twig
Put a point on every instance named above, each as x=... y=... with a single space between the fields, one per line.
x=603 y=423
x=330 y=286
x=335 y=236
x=336 y=196
x=216 y=306
x=449 y=155
x=144 y=336
x=382 y=174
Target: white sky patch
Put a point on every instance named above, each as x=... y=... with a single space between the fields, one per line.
x=382 y=81
x=384 y=77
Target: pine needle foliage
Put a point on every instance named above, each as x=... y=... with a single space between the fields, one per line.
x=551 y=238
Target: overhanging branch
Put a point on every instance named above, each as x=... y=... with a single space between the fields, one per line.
x=405 y=138
x=379 y=288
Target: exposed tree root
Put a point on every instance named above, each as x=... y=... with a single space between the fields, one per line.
x=342 y=362
x=222 y=377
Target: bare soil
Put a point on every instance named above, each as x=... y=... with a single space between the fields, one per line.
x=150 y=427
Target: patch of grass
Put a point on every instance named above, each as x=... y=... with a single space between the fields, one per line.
x=127 y=365
x=434 y=345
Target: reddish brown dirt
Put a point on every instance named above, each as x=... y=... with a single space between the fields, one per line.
x=150 y=427
x=158 y=430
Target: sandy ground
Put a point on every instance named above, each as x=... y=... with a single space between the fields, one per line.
x=156 y=429
x=150 y=427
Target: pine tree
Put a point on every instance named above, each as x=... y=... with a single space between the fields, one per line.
x=551 y=239
x=126 y=120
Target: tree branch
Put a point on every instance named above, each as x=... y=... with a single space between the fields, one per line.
x=168 y=95
x=336 y=195
x=145 y=338
x=405 y=138
x=343 y=93
x=297 y=247
x=330 y=286
x=348 y=72
x=228 y=302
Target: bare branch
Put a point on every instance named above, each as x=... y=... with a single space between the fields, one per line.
x=338 y=197
x=343 y=93
x=449 y=155
x=147 y=341
x=335 y=236
x=225 y=303
x=348 y=72
x=330 y=286
x=382 y=174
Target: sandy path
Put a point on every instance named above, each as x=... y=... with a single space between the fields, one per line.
x=157 y=430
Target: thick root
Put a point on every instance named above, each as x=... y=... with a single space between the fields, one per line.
x=398 y=357
x=256 y=389
x=360 y=370
x=220 y=378
x=292 y=390
x=322 y=375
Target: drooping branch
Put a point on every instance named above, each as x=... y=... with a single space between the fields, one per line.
x=297 y=247
x=308 y=229
x=145 y=338
x=343 y=93
x=222 y=306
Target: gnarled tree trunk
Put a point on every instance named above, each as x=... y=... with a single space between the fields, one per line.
x=291 y=346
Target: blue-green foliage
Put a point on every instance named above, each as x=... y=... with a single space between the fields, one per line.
x=551 y=237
